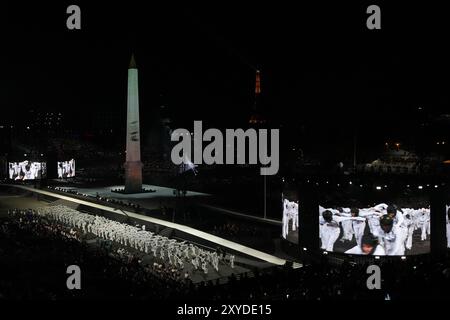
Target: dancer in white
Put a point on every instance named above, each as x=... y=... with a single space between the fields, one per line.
x=424 y=223
x=391 y=236
x=329 y=231
x=409 y=224
x=347 y=229
x=290 y=214
x=285 y=229
x=60 y=170
x=358 y=226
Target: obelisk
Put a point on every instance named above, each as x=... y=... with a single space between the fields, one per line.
x=133 y=164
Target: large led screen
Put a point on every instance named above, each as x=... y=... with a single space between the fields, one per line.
x=66 y=169
x=381 y=230
x=289 y=204
x=27 y=170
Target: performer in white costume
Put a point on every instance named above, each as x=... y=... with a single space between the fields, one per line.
x=391 y=236
x=358 y=226
x=285 y=229
x=290 y=214
x=347 y=226
x=424 y=223
x=369 y=246
x=329 y=231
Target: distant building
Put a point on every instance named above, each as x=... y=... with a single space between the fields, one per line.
x=394 y=161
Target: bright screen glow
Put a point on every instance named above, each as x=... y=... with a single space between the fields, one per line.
x=290 y=218
x=66 y=169
x=380 y=230
x=27 y=170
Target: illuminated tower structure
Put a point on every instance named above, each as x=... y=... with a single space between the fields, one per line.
x=133 y=164
x=256 y=119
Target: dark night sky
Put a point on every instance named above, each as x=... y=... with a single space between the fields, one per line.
x=320 y=66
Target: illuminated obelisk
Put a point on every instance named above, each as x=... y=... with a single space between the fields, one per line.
x=133 y=164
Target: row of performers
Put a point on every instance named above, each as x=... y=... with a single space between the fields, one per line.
x=26 y=170
x=390 y=229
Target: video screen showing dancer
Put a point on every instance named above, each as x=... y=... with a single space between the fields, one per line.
x=290 y=216
x=66 y=169
x=27 y=170
x=379 y=230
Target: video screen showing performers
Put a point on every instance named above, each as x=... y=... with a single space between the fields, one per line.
x=447 y=217
x=27 y=170
x=381 y=230
x=66 y=169
x=290 y=216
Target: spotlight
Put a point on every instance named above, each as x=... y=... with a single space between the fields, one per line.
x=378 y=188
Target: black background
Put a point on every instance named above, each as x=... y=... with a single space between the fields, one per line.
x=325 y=76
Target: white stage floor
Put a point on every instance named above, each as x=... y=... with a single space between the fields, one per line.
x=209 y=237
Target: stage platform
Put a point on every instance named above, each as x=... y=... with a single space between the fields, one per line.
x=148 y=200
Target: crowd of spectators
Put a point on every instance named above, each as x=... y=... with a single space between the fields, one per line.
x=415 y=278
x=34 y=254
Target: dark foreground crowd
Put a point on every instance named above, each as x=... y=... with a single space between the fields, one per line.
x=35 y=253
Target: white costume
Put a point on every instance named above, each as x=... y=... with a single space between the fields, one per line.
x=290 y=213
x=394 y=241
x=173 y=251
x=329 y=233
x=379 y=251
